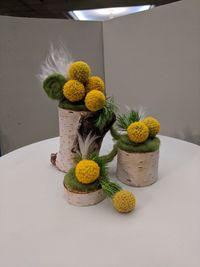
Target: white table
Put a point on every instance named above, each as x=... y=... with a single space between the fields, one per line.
x=38 y=228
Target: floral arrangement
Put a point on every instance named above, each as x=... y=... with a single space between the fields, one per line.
x=86 y=114
x=138 y=134
x=90 y=174
x=78 y=90
x=138 y=149
x=83 y=106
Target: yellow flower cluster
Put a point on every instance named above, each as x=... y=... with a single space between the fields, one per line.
x=138 y=132
x=87 y=171
x=81 y=85
x=95 y=83
x=95 y=100
x=79 y=71
x=74 y=90
x=124 y=201
x=153 y=125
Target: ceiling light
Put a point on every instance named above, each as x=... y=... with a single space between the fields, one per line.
x=106 y=13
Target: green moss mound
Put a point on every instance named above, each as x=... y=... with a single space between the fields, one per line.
x=151 y=145
x=72 y=184
x=53 y=86
x=78 y=106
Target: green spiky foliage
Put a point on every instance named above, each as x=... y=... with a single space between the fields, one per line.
x=72 y=184
x=105 y=115
x=150 y=145
x=123 y=121
x=78 y=106
x=53 y=86
x=109 y=188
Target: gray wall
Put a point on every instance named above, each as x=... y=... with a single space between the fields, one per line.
x=150 y=58
x=26 y=114
x=153 y=59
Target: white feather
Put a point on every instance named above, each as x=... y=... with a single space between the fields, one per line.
x=84 y=144
x=57 y=61
x=141 y=112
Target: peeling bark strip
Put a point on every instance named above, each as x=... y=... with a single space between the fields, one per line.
x=84 y=199
x=137 y=169
x=69 y=121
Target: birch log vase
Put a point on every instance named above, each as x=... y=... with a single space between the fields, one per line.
x=68 y=129
x=137 y=169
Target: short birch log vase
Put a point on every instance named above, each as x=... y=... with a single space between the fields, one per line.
x=83 y=199
x=79 y=194
x=137 y=164
x=137 y=169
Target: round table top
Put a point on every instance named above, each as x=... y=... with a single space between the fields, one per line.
x=38 y=228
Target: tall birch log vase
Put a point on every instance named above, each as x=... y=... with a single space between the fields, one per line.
x=137 y=169
x=69 y=121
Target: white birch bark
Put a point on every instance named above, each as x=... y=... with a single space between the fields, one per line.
x=84 y=199
x=68 y=130
x=137 y=169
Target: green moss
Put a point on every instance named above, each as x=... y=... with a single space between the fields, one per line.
x=115 y=134
x=53 y=86
x=110 y=156
x=72 y=184
x=148 y=146
x=78 y=106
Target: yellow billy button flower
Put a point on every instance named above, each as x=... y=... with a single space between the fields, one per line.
x=87 y=171
x=153 y=125
x=138 y=132
x=80 y=71
x=95 y=100
x=124 y=201
x=94 y=83
x=74 y=90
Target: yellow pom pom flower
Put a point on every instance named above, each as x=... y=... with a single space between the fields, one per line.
x=94 y=83
x=79 y=71
x=87 y=171
x=74 y=90
x=124 y=201
x=138 y=132
x=95 y=100
x=153 y=125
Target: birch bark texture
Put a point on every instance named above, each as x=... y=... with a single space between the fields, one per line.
x=84 y=199
x=69 y=121
x=137 y=169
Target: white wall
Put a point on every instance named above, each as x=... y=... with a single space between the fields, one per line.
x=153 y=59
x=26 y=113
